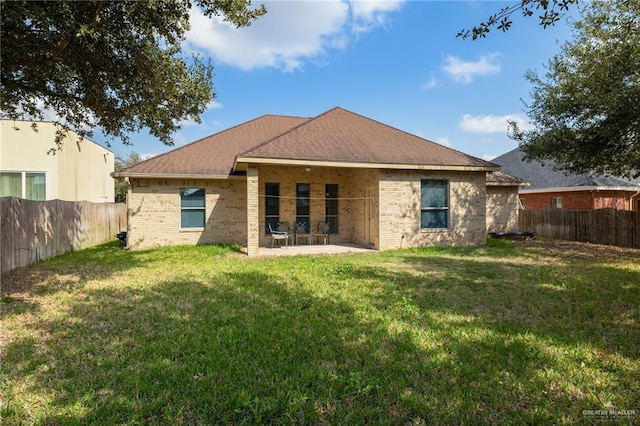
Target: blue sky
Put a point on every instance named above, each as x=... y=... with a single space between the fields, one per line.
x=393 y=61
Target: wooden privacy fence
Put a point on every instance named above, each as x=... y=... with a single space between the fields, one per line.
x=37 y=230
x=605 y=226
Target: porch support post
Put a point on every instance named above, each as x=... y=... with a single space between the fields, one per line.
x=253 y=208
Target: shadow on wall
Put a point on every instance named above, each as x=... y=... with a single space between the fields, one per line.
x=36 y=230
x=227 y=222
x=466 y=217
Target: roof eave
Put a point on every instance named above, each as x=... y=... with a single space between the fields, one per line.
x=362 y=165
x=491 y=183
x=174 y=176
x=581 y=188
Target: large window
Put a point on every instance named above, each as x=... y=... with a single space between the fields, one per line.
x=31 y=186
x=302 y=204
x=331 y=207
x=434 y=205
x=192 y=208
x=271 y=205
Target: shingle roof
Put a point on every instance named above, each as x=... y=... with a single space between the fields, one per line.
x=546 y=176
x=500 y=178
x=215 y=154
x=337 y=136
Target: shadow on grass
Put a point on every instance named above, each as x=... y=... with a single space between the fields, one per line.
x=245 y=346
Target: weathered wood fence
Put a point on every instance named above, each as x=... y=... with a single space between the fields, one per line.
x=605 y=226
x=37 y=230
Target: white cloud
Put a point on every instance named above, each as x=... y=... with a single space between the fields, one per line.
x=488 y=157
x=368 y=14
x=188 y=122
x=290 y=33
x=179 y=139
x=147 y=156
x=444 y=141
x=464 y=72
x=492 y=123
x=431 y=84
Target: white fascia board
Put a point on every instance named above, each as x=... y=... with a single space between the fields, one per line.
x=172 y=176
x=359 y=165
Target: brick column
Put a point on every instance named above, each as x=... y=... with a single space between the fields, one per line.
x=253 y=206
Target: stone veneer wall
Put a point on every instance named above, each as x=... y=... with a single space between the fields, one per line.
x=154 y=212
x=502 y=208
x=399 y=203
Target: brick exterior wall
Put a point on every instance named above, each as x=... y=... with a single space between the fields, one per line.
x=252 y=211
x=502 y=208
x=317 y=177
x=400 y=195
x=154 y=212
x=382 y=221
x=579 y=200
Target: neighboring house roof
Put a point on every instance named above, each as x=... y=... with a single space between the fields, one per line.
x=500 y=178
x=545 y=176
x=337 y=137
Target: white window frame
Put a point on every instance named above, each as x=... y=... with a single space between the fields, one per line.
x=23 y=182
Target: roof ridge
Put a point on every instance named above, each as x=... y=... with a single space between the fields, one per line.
x=265 y=142
x=155 y=157
x=414 y=135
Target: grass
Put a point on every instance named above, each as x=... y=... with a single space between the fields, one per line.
x=534 y=332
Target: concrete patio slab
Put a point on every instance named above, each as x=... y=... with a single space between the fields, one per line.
x=314 y=249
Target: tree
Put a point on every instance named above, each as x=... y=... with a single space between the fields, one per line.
x=502 y=20
x=120 y=185
x=586 y=108
x=116 y=65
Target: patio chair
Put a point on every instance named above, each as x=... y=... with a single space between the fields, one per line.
x=322 y=231
x=301 y=232
x=282 y=233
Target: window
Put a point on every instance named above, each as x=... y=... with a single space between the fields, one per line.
x=35 y=189
x=271 y=205
x=302 y=204
x=10 y=184
x=31 y=186
x=331 y=207
x=556 y=202
x=434 y=205
x=192 y=209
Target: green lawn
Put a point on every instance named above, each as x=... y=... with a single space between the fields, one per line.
x=534 y=332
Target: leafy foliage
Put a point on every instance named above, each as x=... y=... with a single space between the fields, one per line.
x=120 y=185
x=116 y=65
x=552 y=10
x=586 y=108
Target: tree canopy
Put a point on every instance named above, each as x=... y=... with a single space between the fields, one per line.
x=550 y=13
x=120 y=185
x=116 y=65
x=586 y=107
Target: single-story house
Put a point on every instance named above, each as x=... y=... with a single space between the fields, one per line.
x=553 y=188
x=32 y=167
x=373 y=185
